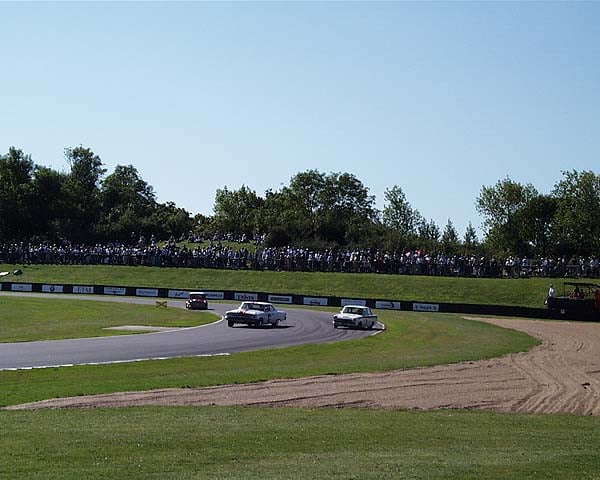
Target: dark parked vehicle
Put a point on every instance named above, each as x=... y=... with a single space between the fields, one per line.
x=581 y=299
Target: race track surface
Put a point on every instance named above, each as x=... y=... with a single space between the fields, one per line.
x=301 y=326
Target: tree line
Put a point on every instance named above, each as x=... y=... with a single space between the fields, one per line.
x=315 y=210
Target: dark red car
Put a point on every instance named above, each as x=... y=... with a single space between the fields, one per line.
x=196 y=301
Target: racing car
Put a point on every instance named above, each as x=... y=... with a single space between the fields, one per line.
x=255 y=314
x=355 y=316
x=196 y=301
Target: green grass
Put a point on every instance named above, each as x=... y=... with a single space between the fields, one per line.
x=252 y=443
x=411 y=340
x=25 y=319
x=528 y=292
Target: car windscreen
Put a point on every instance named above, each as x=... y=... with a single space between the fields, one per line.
x=252 y=306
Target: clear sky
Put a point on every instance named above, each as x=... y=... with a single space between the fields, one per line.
x=439 y=98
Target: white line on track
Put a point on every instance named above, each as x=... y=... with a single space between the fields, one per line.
x=111 y=362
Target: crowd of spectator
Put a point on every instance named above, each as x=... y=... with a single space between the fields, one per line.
x=217 y=255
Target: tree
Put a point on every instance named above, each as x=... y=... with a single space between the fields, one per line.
x=49 y=202
x=470 y=240
x=281 y=219
x=577 y=218
x=16 y=194
x=306 y=196
x=536 y=219
x=237 y=211
x=202 y=225
x=127 y=204
x=398 y=214
x=125 y=189
x=499 y=205
x=169 y=219
x=429 y=235
x=82 y=190
x=347 y=209
x=319 y=208
x=450 y=242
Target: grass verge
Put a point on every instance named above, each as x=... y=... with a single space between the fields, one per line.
x=251 y=443
x=528 y=292
x=24 y=319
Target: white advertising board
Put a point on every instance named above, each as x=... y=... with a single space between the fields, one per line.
x=246 y=297
x=146 y=292
x=114 y=290
x=315 y=301
x=83 y=289
x=21 y=287
x=426 y=307
x=387 y=305
x=52 y=288
x=215 y=295
x=351 y=301
x=280 y=298
x=178 y=294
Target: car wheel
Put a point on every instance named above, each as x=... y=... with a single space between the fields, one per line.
x=230 y=323
x=360 y=325
x=260 y=323
x=276 y=324
x=370 y=326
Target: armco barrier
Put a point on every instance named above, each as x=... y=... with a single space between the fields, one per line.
x=293 y=299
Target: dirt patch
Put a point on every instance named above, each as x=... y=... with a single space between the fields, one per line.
x=562 y=375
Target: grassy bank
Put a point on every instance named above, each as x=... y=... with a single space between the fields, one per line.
x=29 y=319
x=529 y=292
x=246 y=443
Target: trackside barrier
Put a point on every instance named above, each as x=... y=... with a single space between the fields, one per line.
x=292 y=299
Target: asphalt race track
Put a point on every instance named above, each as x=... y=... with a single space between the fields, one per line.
x=301 y=327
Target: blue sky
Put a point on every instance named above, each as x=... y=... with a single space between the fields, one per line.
x=439 y=98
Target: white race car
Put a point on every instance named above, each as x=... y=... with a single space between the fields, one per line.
x=255 y=314
x=355 y=316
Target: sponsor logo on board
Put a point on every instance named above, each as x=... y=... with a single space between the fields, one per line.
x=114 y=290
x=350 y=301
x=246 y=297
x=21 y=287
x=426 y=307
x=387 y=305
x=52 y=288
x=280 y=298
x=83 y=289
x=315 y=301
x=215 y=295
x=146 y=292
x=178 y=294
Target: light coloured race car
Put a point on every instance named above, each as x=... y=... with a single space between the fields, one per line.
x=355 y=316
x=255 y=314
